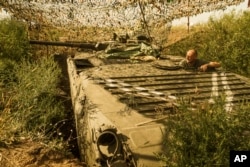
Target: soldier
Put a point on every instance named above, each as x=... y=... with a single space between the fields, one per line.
x=192 y=62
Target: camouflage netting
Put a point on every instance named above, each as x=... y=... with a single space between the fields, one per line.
x=109 y=12
x=128 y=15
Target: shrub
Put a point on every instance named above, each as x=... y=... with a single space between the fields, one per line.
x=29 y=102
x=205 y=137
x=36 y=93
x=14 y=46
x=14 y=43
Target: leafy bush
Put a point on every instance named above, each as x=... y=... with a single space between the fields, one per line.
x=14 y=43
x=36 y=92
x=29 y=103
x=205 y=137
x=14 y=46
x=225 y=40
x=32 y=100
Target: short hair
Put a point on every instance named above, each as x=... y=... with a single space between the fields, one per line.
x=194 y=52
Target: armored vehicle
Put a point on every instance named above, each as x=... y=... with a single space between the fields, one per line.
x=121 y=104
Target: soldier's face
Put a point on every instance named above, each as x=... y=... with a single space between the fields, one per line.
x=191 y=57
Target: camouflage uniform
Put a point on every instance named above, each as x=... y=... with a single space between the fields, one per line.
x=198 y=62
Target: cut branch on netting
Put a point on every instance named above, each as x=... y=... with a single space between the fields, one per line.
x=144 y=21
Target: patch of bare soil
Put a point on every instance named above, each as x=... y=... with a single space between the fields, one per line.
x=34 y=154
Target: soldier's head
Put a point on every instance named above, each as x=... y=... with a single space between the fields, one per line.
x=191 y=56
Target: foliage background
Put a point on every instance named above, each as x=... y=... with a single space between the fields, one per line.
x=30 y=106
x=225 y=40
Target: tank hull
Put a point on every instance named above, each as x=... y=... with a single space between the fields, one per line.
x=120 y=115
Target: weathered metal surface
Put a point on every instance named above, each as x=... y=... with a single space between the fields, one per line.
x=136 y=99
x=196 y=86
x=68 y=44
x=77 y=44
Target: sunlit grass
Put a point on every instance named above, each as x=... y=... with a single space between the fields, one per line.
x=225 y=40
x=30 y=105
x=205 y=136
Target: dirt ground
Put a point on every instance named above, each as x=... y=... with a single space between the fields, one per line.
x=35 y=154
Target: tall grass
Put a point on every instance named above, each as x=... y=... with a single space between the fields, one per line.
x=36 y=94
x=204 y=137
x=223 y=39
x=14 y=44
x=29 y=103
